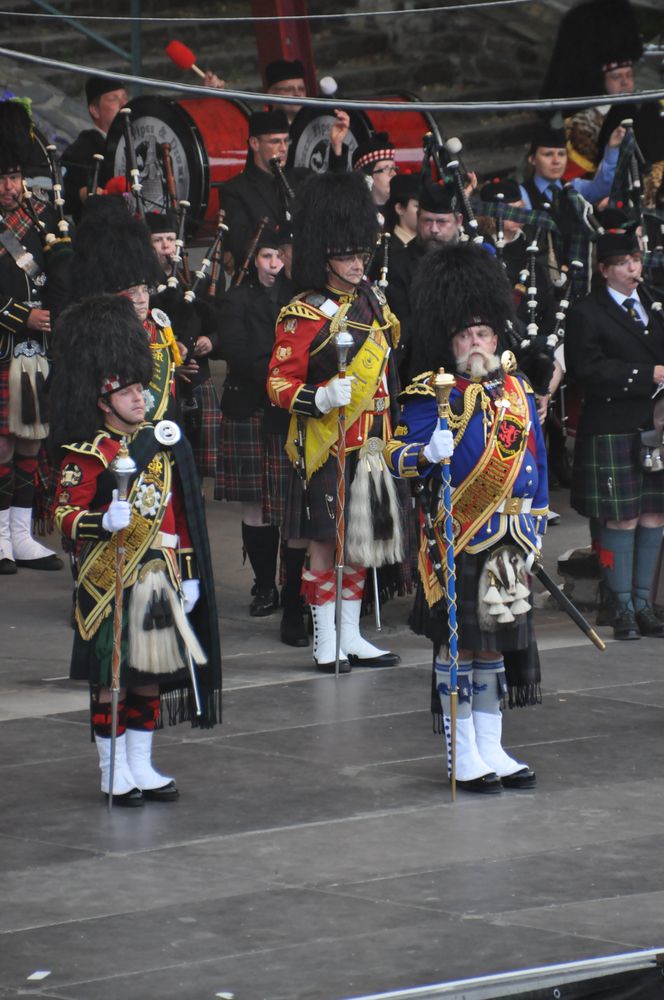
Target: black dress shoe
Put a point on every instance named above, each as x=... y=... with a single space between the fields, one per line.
x=487 y=784
x=328 y=668
x=7 y=567
x=130 y=799
x=649 y=624
x=625 y=627
x=293 y=632
x=46 y=562
x=167 y=793
x=384 y=660
x=525 y=778
x=264 y=603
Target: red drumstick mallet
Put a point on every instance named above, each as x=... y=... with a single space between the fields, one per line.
x=183 y=57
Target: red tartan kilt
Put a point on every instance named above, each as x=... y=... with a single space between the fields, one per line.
x=206 y=444
x=276 y=477
x=4 y=399
x=240 y=459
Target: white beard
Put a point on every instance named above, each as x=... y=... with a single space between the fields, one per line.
x=477 y=363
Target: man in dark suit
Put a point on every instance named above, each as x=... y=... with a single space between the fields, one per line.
x=256 y=192
x=615 y=350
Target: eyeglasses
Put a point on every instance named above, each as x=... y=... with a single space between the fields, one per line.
x=391 y=169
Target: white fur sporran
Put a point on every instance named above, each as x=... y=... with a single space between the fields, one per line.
x=503 y=594
x=373 y=500
x=153 y=649
x=30 y=365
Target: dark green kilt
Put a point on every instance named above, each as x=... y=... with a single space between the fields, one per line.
x=516 y=642
x=608 y=481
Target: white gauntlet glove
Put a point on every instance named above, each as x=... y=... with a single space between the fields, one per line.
x=117 y=516
x=337 y=392
x=191 y=591
x=440 y=446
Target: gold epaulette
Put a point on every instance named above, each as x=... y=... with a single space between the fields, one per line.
x=420 y=386
x=300 y=310
x=92 y=448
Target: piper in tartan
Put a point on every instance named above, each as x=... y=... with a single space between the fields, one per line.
x=614 y=349
x=170 y=641
x=26 y=267
x=335 y=229
x=499 y=506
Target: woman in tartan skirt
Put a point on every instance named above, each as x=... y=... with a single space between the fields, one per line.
x=252 y=466
x=615 y=350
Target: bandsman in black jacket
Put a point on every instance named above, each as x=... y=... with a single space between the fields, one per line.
x=104 y=98
x=256 y=192
x=252 y=465
x=614 y=348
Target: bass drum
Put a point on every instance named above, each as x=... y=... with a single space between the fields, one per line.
x=310 y=137
x=406 y=130
x=208 y=145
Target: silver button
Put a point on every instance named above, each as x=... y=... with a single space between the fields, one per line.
x=635 y=371
x=529 y=468
x=630 y=380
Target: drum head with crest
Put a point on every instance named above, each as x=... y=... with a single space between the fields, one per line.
x=310 y=137
x=207 y=141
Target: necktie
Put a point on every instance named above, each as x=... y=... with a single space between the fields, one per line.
x=630 y=306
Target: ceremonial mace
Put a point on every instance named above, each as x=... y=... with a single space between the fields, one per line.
x=123 y=468
x=443 y=385
x=343 y=342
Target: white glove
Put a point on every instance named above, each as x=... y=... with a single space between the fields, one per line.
x=191 y=591
x=337 y=392
x=440 y=446
x=117 y=516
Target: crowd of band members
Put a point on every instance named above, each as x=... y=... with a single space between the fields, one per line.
x=238 y=325
x=281 y=376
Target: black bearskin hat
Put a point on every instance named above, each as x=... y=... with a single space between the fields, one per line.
x=98 y=340
x=17 y=147
x=112 y=249
x=455 y=287
x=334 y=214
x=592 y=38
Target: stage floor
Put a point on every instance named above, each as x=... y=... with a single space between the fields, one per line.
x=314 y=852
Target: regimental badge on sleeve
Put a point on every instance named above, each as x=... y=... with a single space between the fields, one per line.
x=71 y=475
x=284 y=351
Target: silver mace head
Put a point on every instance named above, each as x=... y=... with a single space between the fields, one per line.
x=343 y=342
x=123 y=468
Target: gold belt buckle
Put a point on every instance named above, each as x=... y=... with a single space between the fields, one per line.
x=512 y=505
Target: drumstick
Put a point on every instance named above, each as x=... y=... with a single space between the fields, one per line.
x=183 y=57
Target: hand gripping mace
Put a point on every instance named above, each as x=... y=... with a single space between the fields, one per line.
x=123 y=468
x=343 y=342
x=443 y=385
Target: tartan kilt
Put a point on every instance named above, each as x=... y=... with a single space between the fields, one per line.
x=206 y=445
x=432 y=622
x=4 y=399
x=608 y=481
x=277 y=469
x=240 y=459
